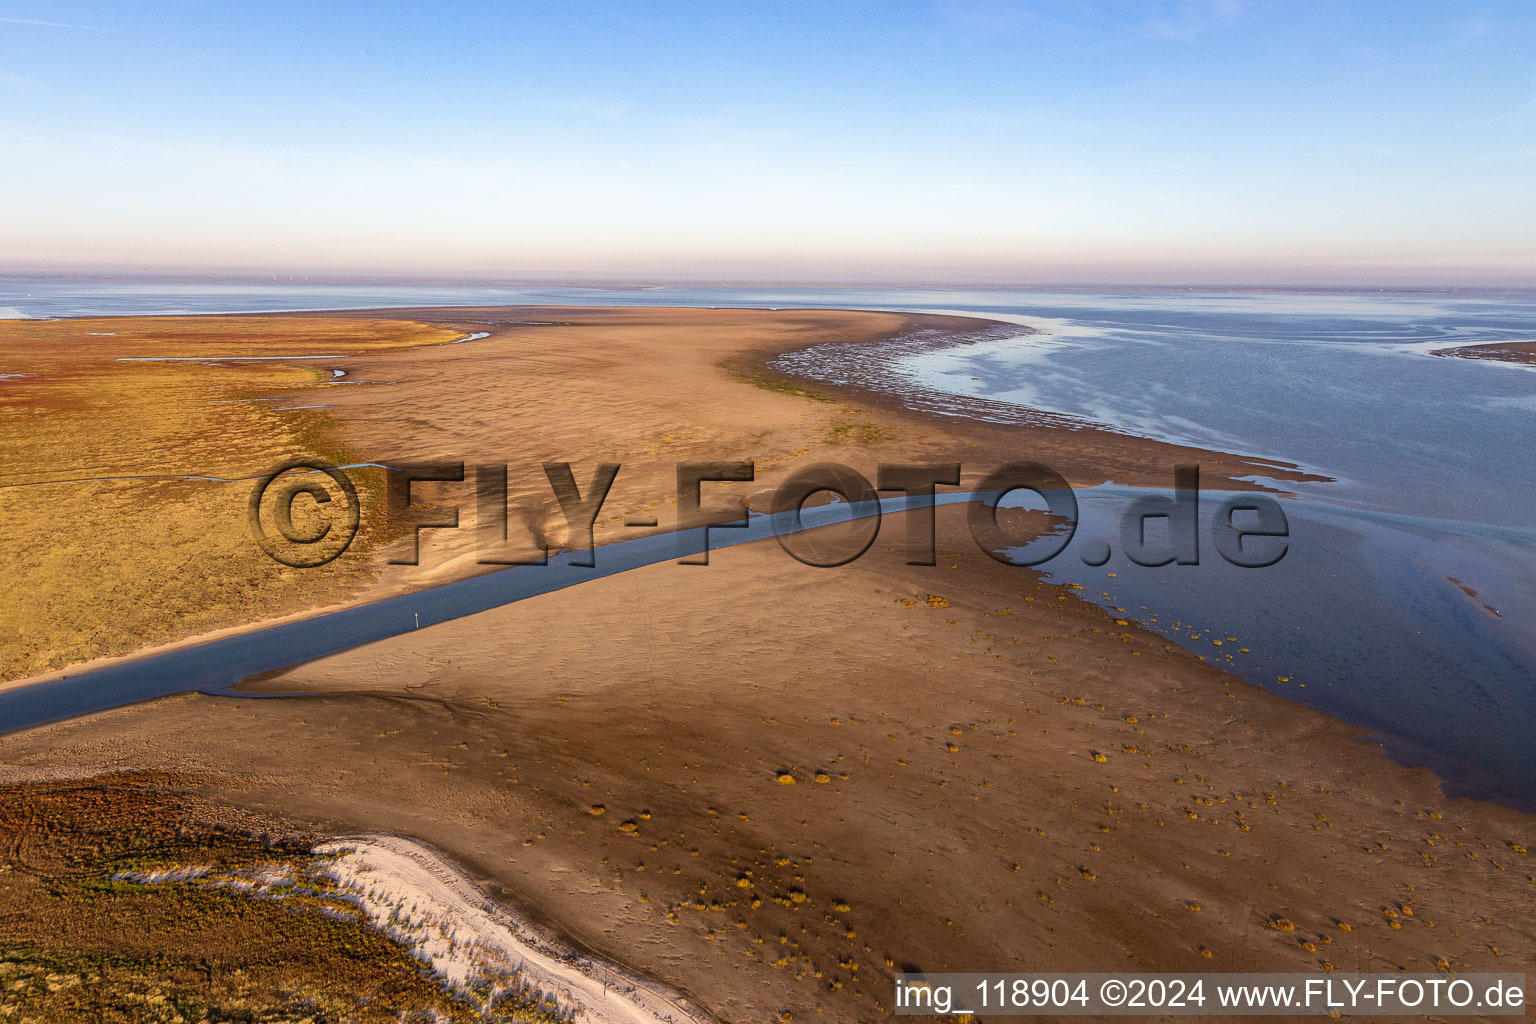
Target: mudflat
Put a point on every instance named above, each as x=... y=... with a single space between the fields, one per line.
x=769 y=785
x=1500 y=352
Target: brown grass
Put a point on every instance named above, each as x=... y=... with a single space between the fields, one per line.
x=75 y=944
x=97 y=567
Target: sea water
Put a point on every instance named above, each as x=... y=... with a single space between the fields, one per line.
x=1406 y=602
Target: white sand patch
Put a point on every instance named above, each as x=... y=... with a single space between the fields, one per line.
x=416 y=897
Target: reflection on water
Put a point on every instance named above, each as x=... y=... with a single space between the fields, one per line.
x=1407 y=603
x=1355 y=397
x=1358 y=619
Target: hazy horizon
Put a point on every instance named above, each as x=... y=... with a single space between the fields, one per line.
x=1202 y=142
x=342 y=278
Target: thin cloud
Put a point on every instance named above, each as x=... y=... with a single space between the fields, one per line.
x=51 y=24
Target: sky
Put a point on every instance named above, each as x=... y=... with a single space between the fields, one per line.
x=952 y=141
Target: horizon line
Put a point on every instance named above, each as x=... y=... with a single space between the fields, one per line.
x=191 y=276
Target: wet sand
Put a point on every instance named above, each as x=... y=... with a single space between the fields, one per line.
x=1501 y=352
x=988 y=774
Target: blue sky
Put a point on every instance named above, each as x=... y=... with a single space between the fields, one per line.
x=958 y=140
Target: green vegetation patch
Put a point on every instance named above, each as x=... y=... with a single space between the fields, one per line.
x=749 y=369
x=109 y=911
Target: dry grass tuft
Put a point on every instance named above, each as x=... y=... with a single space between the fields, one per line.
x=151 y=560
x=81 y=942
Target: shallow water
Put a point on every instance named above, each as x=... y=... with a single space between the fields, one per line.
x=215 y=666
x=1407 y=601
x=1356 y=620
x=1351 y=392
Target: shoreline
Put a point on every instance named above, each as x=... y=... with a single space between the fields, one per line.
x=1519 y=352
x=918 y=331
x=1002 y=424
x=1466 y=780
x=757 y=362
x=440 y=601
x=1309 y=765
x=867 y=373
x=986 y=736
x=385 y=873
x=1065 y=431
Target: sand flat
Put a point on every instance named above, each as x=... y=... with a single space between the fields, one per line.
x=988 y=774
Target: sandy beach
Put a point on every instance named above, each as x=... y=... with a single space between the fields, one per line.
x=769 y=786
x=408 y=891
